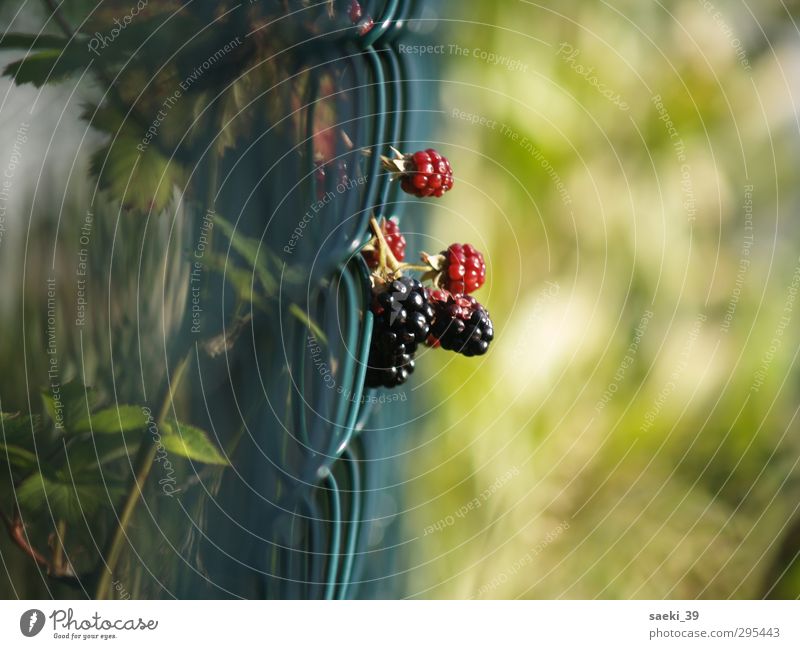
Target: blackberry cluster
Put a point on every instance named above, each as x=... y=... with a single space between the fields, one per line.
x=460 y=323
x=403 y=318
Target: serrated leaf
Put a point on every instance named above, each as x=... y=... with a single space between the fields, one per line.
x=141 y=178
x=64 y=498
x=50 y=65
x=35 y=69
x=190 y=442
x=16 y=41
x=116 y=419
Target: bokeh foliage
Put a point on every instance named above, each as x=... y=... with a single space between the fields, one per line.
x=684 y=483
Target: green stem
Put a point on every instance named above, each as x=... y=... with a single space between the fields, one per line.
x=297 y=311
x=59 y=18
x=147 y=453
x=58 y=549
x=213 y=180
x=148 y=449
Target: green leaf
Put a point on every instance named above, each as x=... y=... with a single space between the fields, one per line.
x=65 y=498
x=107 y=118
x=239 y=278
x=36 y=68
x=18 y=457
x=139 y=176
x=190 y=442
x=306 y=319
x=92 y=451
x=290 y=274
x=69 y=404
x=249 y=248
x=50 y=65
x=116 y=419
x=17 y=41
x=246 y=246
x=19 y=430
x=20 y=440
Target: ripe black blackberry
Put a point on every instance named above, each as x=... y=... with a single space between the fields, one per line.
x=402 y=321
x=460 y=323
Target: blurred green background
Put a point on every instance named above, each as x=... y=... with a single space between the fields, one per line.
x=633 y=431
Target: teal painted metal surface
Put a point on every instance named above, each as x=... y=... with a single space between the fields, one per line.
x=319 y=478
x=298 y=514
x=385 y=84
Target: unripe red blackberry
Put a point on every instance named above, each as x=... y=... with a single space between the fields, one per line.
x=428 y=173
x=356 y=13
x=460 y=323
x=395 y=240
x=424 y=173
x=365 y=26
x=463 y=269
x=402 y=317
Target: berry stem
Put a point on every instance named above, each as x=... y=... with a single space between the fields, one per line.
x=433 y=262
x=395 y=165
x=387 y=257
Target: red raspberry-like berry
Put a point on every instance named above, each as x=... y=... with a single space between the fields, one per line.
x=355 y=11
x=365 y=26
x=394 y=239
x=427 y=173
x=356 y=14
x=464 y=270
